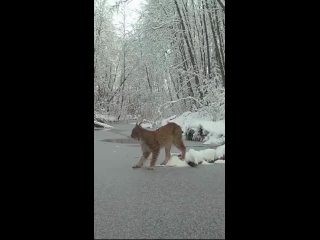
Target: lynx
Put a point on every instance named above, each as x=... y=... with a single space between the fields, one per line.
x=153 y=141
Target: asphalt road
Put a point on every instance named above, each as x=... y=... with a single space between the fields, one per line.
x=168 y=202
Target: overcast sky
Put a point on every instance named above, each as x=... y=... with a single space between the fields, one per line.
x=132 y=6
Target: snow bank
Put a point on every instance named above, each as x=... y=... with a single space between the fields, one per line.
x=105 y=118
x=200 y=156
x=204 y=157
x=176 y=162
x=203 y=128
x=103 y=125
x=220 y=151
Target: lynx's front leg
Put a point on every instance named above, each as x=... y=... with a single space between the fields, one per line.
x=155 y=154
x=145 y=154
x=143 y=158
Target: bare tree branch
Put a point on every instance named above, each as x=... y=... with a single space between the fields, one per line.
x=221 y=4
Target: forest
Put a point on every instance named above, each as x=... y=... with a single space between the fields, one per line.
x=170 y=61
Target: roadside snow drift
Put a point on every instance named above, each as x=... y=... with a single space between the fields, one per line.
x=101 y=125
x=202 y=128
x=205 y=157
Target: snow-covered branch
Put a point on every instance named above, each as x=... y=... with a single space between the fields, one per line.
x=178 y=100
x=221 y=4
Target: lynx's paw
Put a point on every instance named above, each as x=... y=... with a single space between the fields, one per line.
x=136 y=166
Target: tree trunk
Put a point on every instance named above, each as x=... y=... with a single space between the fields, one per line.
x=189 y=50
x=218 y=55
x=207 y=41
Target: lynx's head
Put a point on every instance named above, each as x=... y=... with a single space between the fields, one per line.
x=136 y=131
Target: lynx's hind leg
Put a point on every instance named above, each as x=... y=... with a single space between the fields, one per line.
x=168 y=155
x=180 y=145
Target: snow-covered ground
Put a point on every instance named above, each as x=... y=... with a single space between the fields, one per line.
x=214 y=131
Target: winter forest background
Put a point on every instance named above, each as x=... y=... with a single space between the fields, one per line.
x=169 y=62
